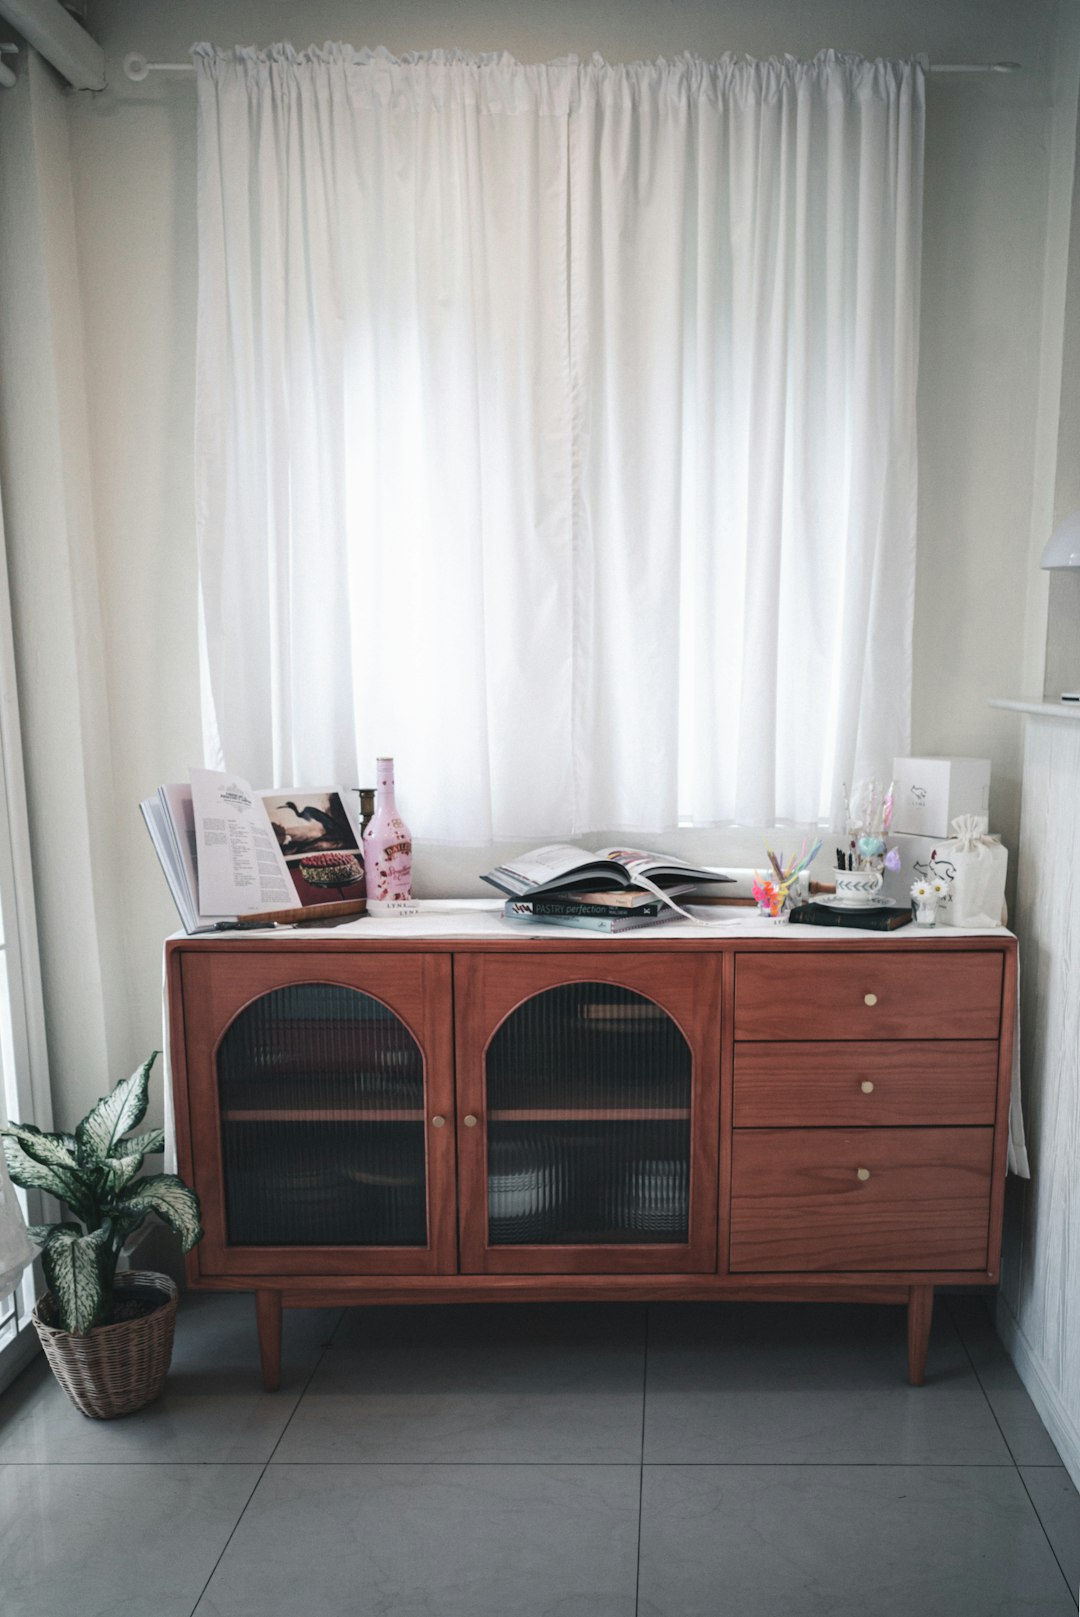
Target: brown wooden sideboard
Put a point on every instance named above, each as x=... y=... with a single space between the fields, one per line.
x=381 y=1120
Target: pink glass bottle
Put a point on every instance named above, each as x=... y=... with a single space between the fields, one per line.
x=387 y=843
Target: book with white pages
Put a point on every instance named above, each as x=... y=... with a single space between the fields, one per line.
x=562 y=868
x=233 y=854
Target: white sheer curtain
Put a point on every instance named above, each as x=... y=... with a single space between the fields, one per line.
x=555 y=430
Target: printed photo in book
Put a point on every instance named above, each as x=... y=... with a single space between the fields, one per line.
x=319 y=844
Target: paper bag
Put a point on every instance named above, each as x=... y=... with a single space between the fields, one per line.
x=979 y=863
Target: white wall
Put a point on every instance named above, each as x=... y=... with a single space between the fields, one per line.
x=985 y=362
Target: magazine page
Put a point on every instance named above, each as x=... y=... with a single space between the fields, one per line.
x=638 y=864
x=157 y=823
x=242 y=871
x=541 y=867
x=318 y=840
x=176 y=802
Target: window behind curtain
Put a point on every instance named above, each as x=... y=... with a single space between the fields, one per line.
x=555 y=430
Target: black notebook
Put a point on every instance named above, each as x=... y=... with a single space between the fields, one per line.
x=876 y=918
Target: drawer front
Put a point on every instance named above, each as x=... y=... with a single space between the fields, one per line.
x=868 y=994
x=810 y=1200
x=856 y=1084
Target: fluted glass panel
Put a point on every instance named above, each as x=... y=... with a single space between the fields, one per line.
x=588 y=1097
x=321 y=1090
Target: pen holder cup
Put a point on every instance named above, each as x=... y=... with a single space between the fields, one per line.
x=858 y=886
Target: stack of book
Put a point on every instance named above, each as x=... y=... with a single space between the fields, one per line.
x=593 y=911
x=615 y=890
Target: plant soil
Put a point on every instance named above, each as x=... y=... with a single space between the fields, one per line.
x=134 y=1308
x=137 y=1304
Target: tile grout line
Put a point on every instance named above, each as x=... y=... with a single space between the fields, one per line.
x=573 y=1465
x=265 y=1466
x=228 y=1541
x=641 y=1465
x=303 y=1390
x=955 y=1323
x=1016 y=1464
x=1046 y=1535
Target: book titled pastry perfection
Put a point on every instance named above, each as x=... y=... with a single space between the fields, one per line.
x=521 y=912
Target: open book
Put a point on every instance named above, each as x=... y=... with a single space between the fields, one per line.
x=230 y=853
x=561 y=868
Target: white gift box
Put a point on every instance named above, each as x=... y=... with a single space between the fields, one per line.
x=929 y=793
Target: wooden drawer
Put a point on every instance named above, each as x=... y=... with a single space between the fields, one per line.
x=858 y=1084
x=869 y=994
x=798 y=1204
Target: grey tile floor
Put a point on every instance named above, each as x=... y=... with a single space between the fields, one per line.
x=546 y=1461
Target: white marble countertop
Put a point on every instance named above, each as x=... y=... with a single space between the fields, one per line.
x=481 y=918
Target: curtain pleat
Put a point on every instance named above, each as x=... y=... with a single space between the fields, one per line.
x=555 y=430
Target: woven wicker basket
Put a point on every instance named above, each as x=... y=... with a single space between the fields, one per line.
x=115 y=1369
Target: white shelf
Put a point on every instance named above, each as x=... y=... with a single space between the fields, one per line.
x=1045 y=710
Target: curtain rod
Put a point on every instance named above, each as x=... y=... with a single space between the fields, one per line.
x=137 y=67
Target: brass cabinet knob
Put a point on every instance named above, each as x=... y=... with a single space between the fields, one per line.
x=867 y=1087
x=863 y=1173
x=471 y=1121
x=869 y=999
x=438 y=1122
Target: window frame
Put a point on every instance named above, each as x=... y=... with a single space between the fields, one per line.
x=24 y=1073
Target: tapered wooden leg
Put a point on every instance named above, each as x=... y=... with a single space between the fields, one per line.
x=920 y=1313
x=268 y=1315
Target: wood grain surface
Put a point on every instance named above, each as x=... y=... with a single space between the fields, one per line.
x=874 y=994
x=861 y=1083
x=805 y=1200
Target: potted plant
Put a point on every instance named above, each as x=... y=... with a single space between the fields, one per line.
x=107 y=1337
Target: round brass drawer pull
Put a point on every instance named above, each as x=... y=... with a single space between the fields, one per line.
x=471 y=1121
x=869 y=999
x=867 y=1087
x=863 y=1173
x=438 y=1122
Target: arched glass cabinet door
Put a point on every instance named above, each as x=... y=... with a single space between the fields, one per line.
x=321 y=1100
x=596 y=1150
x=320 y=1116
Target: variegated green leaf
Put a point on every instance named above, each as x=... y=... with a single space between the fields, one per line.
x=48 y=1149
x=72 y=1265
x=59 y=1181
x=114 y=1115
x=166 y=1195
x=114 y=1173
x=141 y=1145
x=42 y=1234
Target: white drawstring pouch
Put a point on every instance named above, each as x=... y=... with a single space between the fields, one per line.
x=979 y=863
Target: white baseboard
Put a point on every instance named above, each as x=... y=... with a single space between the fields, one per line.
x=1055 y=1417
